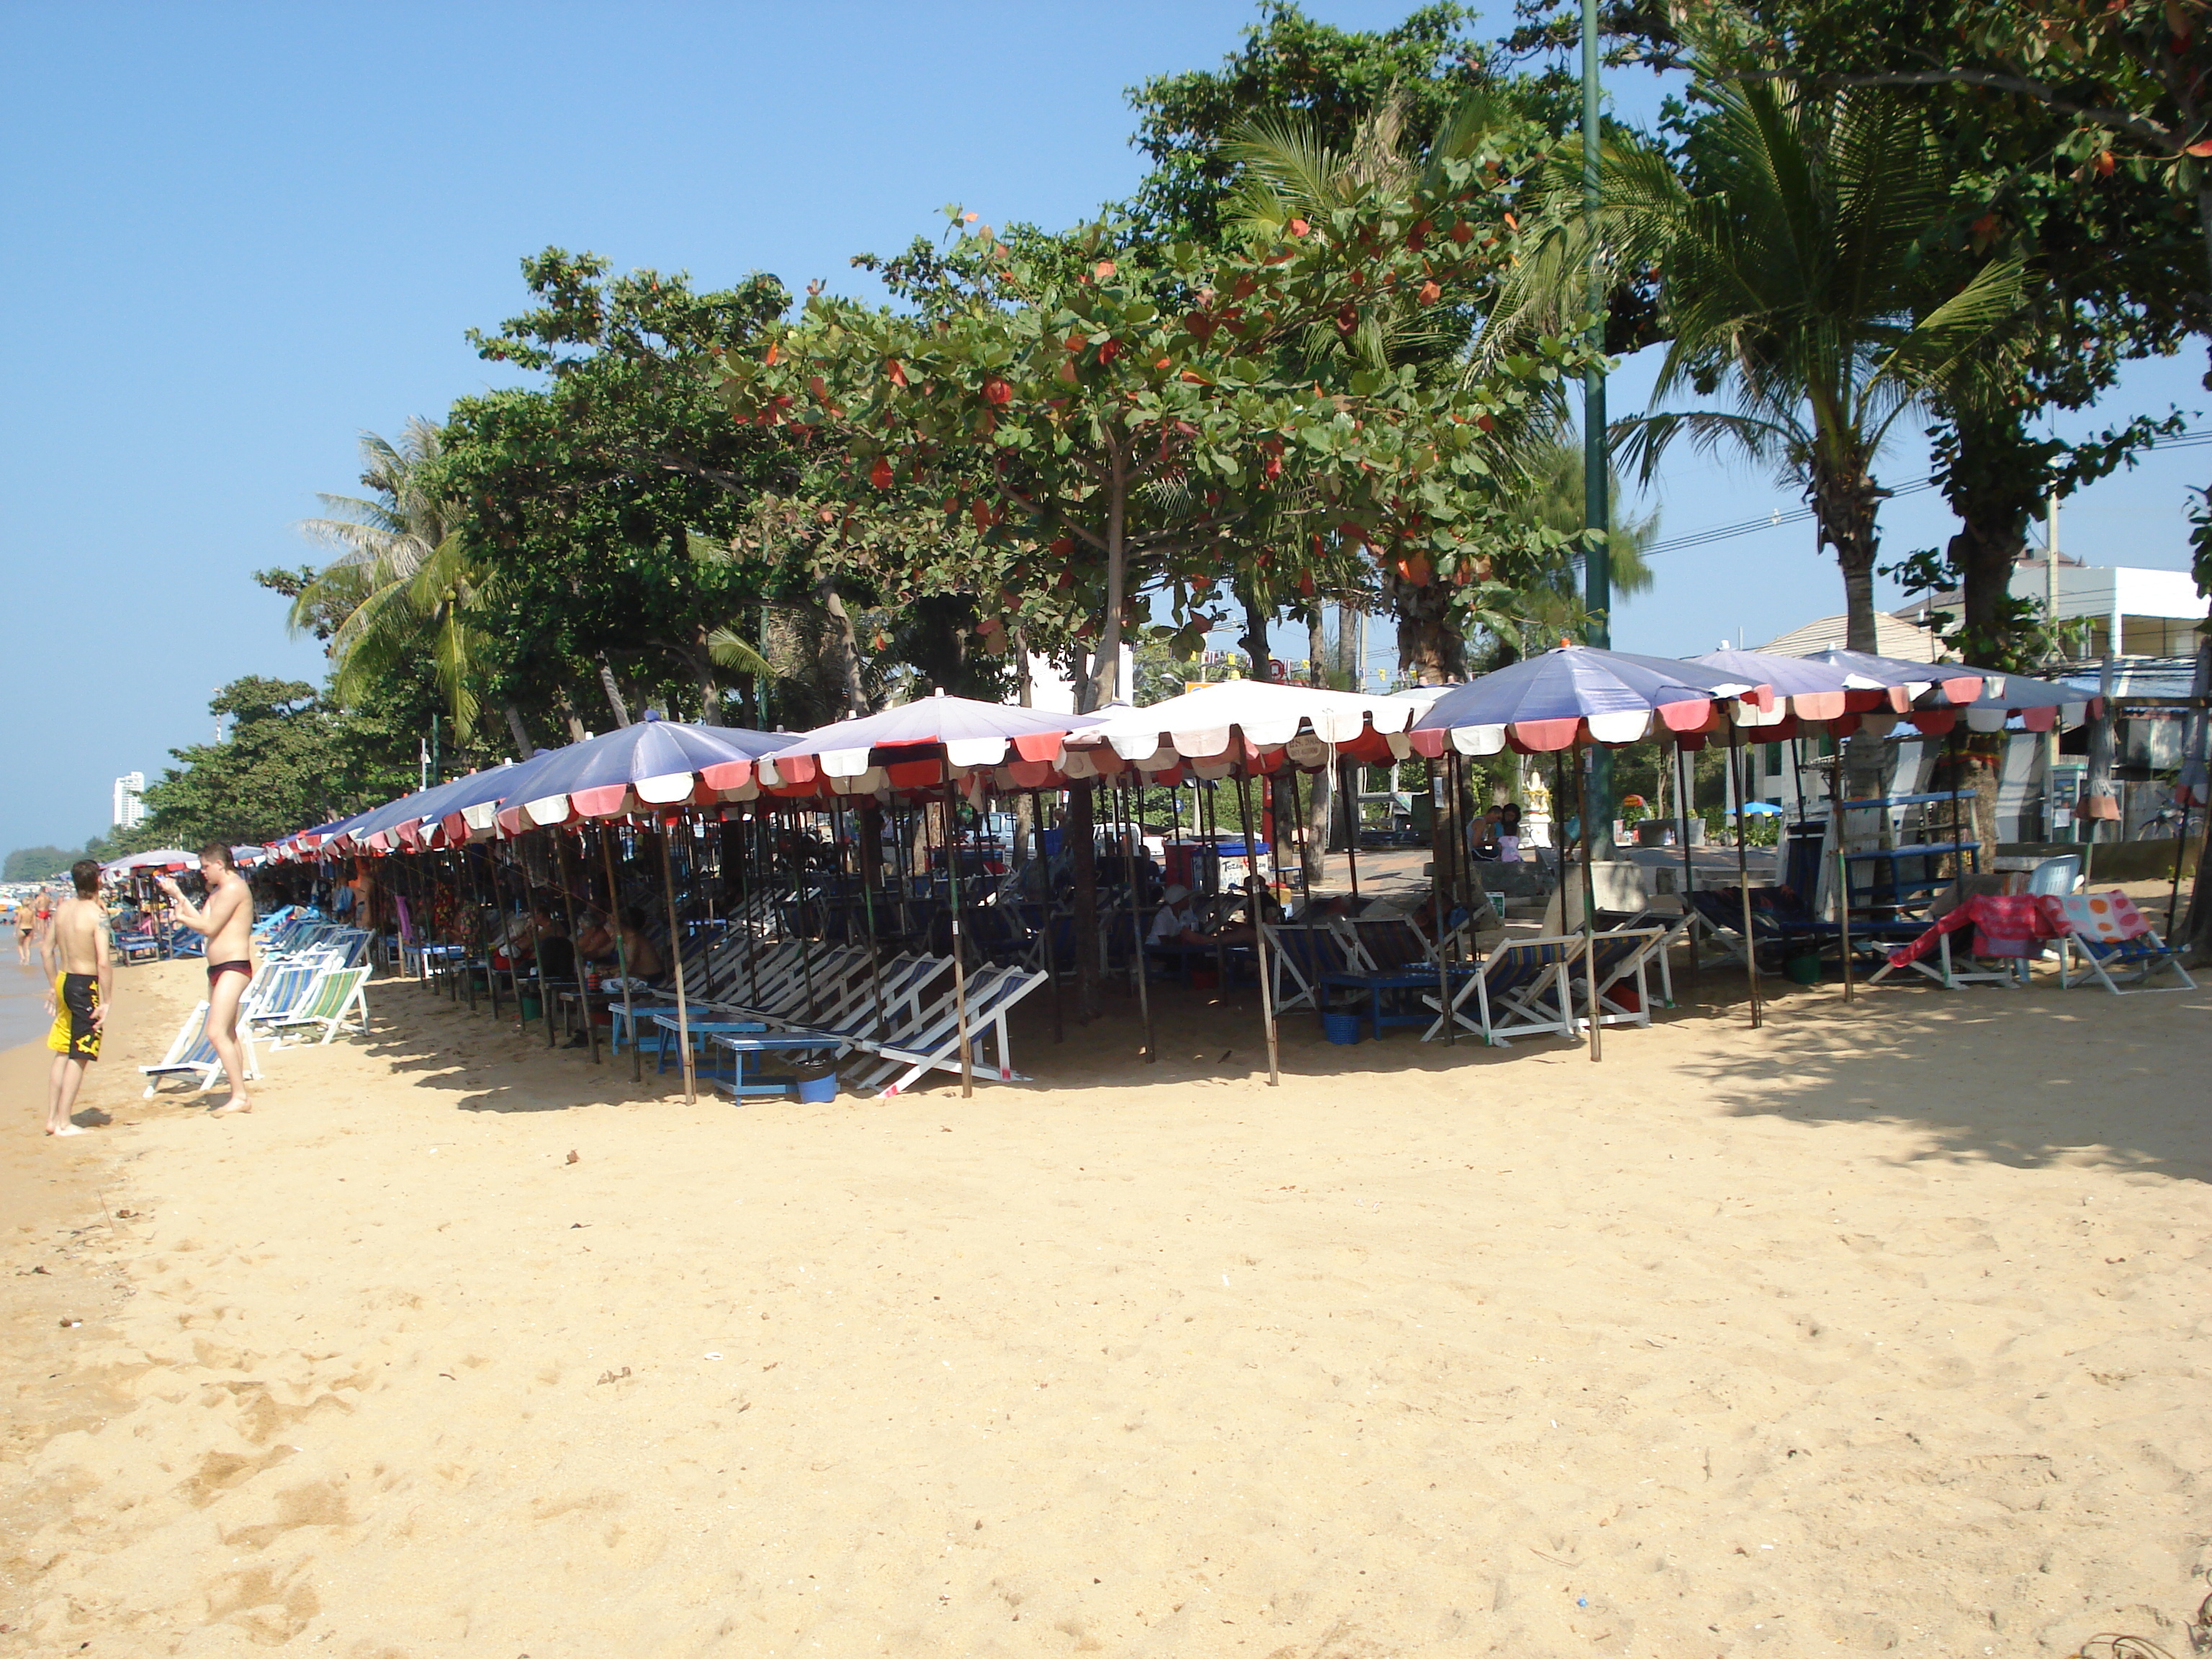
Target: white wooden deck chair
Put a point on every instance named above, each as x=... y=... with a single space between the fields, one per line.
x=1298 y=954
x=935 y=1044
x=339 y=1003
x=2113 y=944
x=1620 y=956
x=192 y=1055
x=909 y=984
x=1517 y=991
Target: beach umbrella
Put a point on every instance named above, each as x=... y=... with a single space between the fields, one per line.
x=1575 y=695
x=655 y=763
x=159 y=858
x=915 y=748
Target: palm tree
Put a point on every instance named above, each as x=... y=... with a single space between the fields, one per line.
x=402 y=582
x=1791 y=277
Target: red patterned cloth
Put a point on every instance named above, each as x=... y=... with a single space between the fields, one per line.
x=2004 y=924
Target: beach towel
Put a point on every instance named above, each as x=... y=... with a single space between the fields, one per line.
x=2004 y=924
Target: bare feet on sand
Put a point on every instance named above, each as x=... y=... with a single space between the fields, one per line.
x=235 y=1103
x=66 y=1130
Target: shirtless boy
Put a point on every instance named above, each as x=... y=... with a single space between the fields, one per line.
x=227 y=922
x=74 y=950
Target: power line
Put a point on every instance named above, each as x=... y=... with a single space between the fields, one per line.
x=1804 y=514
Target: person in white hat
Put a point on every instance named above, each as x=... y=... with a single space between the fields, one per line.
x=1174 y=922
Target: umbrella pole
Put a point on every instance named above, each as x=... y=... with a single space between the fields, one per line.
x=481 y=880
x=621 y=956
x=1590 y=914
x=959 y=956
x=676 y=956
x=1743 y=871
x=1843 y=870
x=756 y=897
x=2180 y=846
x=1436 y=902
x=1684 y=773
x=1137 y=928
x=1045 y=907
x=791 y=864
x=568 y=910
x=1259 y=937
x=861 y=859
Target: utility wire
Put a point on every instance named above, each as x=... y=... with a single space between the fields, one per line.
x=1804 y=514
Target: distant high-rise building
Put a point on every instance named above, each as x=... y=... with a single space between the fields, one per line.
x=127 y=811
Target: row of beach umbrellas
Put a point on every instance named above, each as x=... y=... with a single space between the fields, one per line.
x=1556 y=701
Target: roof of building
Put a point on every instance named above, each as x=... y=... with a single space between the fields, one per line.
x=1893 y=637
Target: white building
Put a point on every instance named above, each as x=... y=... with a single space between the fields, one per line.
x=2154 y=615
x=126 y=811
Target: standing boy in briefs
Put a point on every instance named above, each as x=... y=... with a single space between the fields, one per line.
x=227 y=922
x=74 y=950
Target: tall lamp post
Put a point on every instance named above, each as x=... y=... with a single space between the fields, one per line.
x=1597 y=509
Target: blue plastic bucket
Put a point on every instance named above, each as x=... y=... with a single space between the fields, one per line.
x=819 y=1090
x=1340 y=1027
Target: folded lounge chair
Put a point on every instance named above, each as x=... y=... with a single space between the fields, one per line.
x=934 y=1042
x=192 y=1056
x=1516 y=991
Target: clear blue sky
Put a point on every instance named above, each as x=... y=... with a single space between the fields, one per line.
x=232 y=237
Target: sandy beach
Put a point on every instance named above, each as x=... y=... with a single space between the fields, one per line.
x=1882 y=1329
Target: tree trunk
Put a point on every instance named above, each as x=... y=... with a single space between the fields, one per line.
x=613 y=691
x=848 y=645
x=1430 y=647
x=568 y=718
x=523 y=748
x=1321 y=818
x=1106 y=670
x=1254 y=637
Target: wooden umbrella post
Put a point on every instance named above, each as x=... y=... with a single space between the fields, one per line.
x=621 y=955
x=959 y=956
x=1436 y=838
x=1045 y=909
x=1590 y=914
x=1137 y=923
x=569 y=909
x=1743 y=869
x=1684 y=773
x=1259 y=937
x=676 y=956
x=1842 y=871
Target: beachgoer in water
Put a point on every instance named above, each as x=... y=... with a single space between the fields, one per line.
x=74 y=952
x=227 y=922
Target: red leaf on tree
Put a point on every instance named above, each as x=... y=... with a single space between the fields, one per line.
x=1299 y=226
x=1066 y=370
x=1347 y=318
x=2105 y=164
x=1306 y=584
x=1104 y=267
x=821 y=391
x=880 y=474
x=998 y=391
x=897 y=373
x=773 y=354
x=1462 y=232
x=1431 y=294
x=1485 y=423
x=1110 y=351
x=1062 y=545
x=981 y=514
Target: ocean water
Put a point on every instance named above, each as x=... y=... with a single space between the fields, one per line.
x=23 y=998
